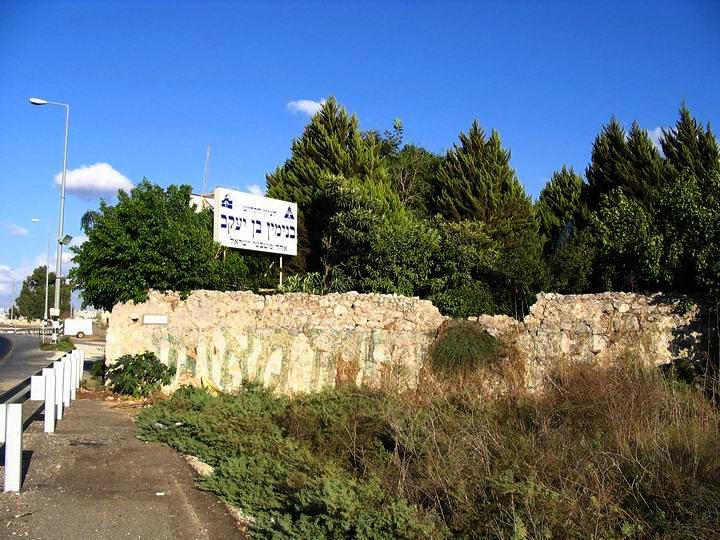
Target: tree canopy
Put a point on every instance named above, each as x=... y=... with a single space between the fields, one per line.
x=379 y=214
x=30 y=303
x=151 y=239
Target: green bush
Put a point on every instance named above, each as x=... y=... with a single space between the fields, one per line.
x=324 y=421
x=288 y=487
x=310 y=283
x=63 y=344
x=138 y=375
x=461 y=347
x=98 y=369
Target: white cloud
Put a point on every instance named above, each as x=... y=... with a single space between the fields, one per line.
x=16 y=230
x=6 y=279
x=11 y=280
x=91 y=181
x=255 y=189
x=655 y=135
x=306 y=106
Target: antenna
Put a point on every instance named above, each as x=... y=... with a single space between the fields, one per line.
x=205 y=176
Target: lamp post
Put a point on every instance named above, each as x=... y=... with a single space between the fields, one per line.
x=61 y=223
x=47 y=270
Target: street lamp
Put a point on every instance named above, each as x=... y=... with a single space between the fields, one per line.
x=47 y=269
x=58 y=261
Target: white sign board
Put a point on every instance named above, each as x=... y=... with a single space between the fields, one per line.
x=256 y=223
x=155 y=319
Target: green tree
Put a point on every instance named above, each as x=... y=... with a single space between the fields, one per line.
x=151 y=239
x=609 y=163
x=559 y=207
x=689 y=217
x=645 y=178
x=465 y=264
x=573 y=267
x=372 y=242
x=31 y=301
x=690 y=148
x=477 y=183
x=475 y=180
x=626 y=161
x=332 y=144
x=630 y=244
x=413 y=172
x=659 y=227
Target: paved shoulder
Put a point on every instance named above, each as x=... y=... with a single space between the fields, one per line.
x=95 y=479
x=22 y=358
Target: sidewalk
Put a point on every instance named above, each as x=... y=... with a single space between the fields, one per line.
x=94 y=479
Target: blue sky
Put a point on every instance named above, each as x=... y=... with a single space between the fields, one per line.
x=151 y=84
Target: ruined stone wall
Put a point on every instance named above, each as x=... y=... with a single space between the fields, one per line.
x=293 y=342
x=597 y=328
x=300 y=342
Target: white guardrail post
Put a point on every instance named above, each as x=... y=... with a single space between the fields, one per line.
x=67 y=377
x=81 y=367
x=13 y=446
x=3 y=422
x=57 y=386
x=73 y=374
x=49 y=375
x=58 y=367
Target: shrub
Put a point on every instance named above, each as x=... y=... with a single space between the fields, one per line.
x=98 y=369
x=310 y=283
x=347 y=424
x=63 y=344
x=289 y=489
x=462 y=347
x=138 y=375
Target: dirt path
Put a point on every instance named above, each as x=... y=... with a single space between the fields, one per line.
x=94 y=479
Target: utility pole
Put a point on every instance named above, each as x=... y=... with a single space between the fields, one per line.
x=205 y=176
x=61 y=220
x=12 y=300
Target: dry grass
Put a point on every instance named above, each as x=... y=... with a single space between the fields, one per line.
x=603 y=452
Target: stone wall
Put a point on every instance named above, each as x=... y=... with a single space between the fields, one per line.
x=597 y=328
x=300 y=342
x=294 y=342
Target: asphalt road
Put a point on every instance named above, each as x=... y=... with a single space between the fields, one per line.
x=20 y=357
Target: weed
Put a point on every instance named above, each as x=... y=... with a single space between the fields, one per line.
x=461 y=347
x=63 y=344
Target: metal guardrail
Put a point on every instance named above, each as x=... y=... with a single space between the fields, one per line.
x=55 y=384
x=21 y=391
x=28 y=330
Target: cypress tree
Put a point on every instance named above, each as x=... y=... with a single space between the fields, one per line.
x=626 y=161
x=558 y=207
x=331 y=145
x=689 y=148
x=477 y=183
x=475 y=180
x=609 y=165
x=645 y=176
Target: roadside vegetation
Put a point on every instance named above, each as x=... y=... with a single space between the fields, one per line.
x=133 y=375
x=63 y=344
x=616 y=452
